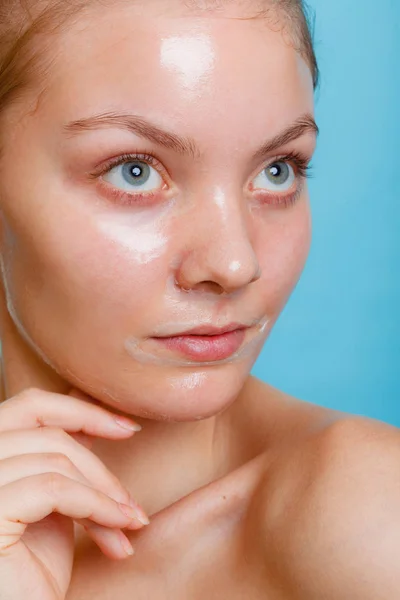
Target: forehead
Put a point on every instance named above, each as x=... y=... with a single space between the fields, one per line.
x=193 y=70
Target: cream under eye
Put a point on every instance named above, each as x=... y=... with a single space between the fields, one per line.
x=276 y=177
x=134 y=176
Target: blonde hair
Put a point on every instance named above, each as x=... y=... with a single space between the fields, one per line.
x=26 y=28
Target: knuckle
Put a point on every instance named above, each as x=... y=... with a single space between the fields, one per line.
x=54 y=483
x=58 y=460
x=26 y=399
x=28 y=395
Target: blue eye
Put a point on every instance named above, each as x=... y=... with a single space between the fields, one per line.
x=277 y=177
x=134 y=176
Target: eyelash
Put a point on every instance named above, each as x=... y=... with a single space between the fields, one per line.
x=125 y=197
x=303 y=171
x=299 y=160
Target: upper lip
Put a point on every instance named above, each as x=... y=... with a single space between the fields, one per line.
x=210 y=330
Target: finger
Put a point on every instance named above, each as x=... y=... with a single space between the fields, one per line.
x=19 y=467
x=52 y=440
x=36 y=408
x=26 y=465
x=112 y=542
x=108 y=540
x=31 y=499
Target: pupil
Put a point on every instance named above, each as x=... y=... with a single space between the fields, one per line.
x=137 y=171
x=276 y=171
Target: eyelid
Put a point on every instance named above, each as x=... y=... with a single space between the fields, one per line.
x=300 y=160
x=300 y=163
x=112 y=163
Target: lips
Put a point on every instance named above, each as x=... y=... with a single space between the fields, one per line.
x=209 y=330
x=206 y=343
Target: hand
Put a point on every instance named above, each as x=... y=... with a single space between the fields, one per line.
x=50 y=479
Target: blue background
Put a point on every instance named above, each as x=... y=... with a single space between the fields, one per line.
x=337 y=342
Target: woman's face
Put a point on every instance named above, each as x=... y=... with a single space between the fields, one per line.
x=181 y=209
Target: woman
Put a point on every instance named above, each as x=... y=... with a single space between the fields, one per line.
x=154 y=221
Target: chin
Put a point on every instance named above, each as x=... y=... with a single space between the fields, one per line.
x=174 y=394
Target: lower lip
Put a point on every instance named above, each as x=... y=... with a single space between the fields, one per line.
x=206 y=348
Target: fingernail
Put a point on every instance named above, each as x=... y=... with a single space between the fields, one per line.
x=134 y=512
x=140 y=514
x=127 y=424
x=126 y=545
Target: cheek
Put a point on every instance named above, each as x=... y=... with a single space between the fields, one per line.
x=78 y=277
x=283 y=249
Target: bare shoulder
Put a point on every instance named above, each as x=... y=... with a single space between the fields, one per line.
x=271 y=416
x=329 y=513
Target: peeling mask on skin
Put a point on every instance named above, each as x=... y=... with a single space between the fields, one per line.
x=95 y=276
x=191 y=57
x=248 y=348
x=141 y=233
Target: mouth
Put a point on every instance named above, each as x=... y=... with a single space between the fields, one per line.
x=206 y=343
x=203 y=345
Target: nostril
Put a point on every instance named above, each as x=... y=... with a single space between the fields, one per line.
x=202 y=286
x=210 y=286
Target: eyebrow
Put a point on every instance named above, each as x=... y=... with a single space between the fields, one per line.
x=182 y=145
x=303 y=125
x=137 y=125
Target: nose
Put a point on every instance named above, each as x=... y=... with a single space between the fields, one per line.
x=218 y=254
